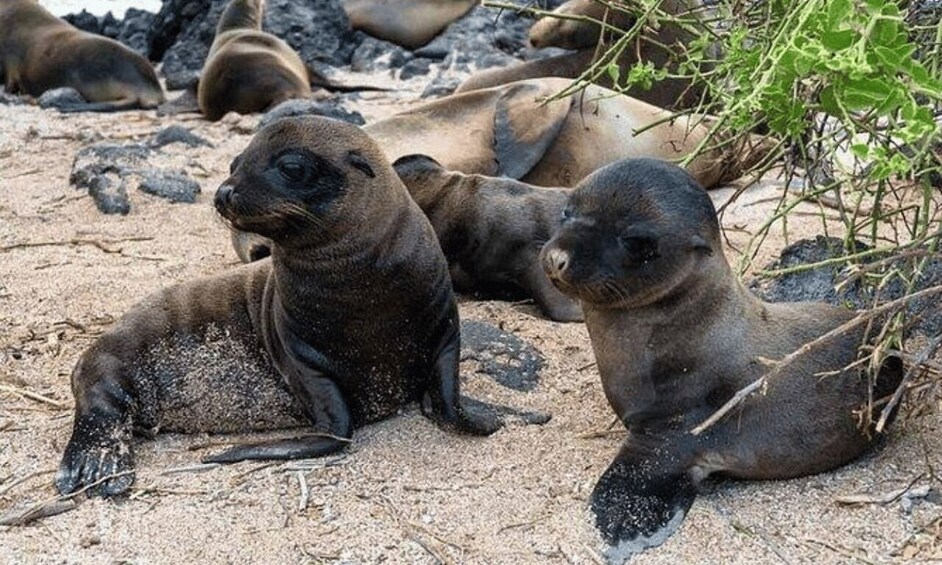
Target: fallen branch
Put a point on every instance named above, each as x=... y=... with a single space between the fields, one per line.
x=921 y=358
x=33 y=396
x=786 y=361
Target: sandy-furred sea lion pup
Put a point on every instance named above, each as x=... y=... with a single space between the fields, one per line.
x=40 y=52
x=353 y=317
x=576 y=29
x=676 y=335
x=408 y=23
x=491 y=230
x=249 y=70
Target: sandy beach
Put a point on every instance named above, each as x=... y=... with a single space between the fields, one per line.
x=405 y=492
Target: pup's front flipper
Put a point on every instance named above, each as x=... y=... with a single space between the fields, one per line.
x=444 y=405
x=98 y=457
x=641 y=500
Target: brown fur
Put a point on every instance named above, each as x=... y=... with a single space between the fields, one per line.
x=40 y=52
x=513 y=131
x=676 y=334
x=491 y=230
x=342 y=327
x=248 y=70
x=409 y=23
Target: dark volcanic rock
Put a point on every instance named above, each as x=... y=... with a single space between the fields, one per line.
x=414 y=68
x=502 y=356
x=375 y=54
x=61 y=98
x=184 y=29
x=819 y=285
x=10 y=99
x=102 y=158
x=441 y=86
x=300 y=107
x=132 y=31
x=110 y=193
x=175 y=186
x=177 y=134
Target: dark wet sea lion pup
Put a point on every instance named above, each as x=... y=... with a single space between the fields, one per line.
x=353 y=317
x=676 y=335
x=40 y=52
x=249 y=70
x=491 y=229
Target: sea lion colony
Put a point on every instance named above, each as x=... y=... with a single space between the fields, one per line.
x=353 y=314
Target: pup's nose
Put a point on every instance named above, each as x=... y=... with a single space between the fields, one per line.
x=223 y=196
x=555 y=262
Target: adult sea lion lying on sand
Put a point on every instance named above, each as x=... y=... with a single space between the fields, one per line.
x=676 y=335
x=353 y=317
x=40 y=52
x=515 y=131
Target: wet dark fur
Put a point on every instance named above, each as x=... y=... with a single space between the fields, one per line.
x=341 y=327
x=491 y=229
x=40 y=52
x=676 y=335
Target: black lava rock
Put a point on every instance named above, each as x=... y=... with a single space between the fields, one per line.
x=414 y=68
x=184 y=29
x=61 y=98
x=177 y=134
x=175 y=186
x=502 y=356
x=820 y=284
x=132 y=31
x=375 y=54
x=301 y=107
x=110 y=193
x=441 y=86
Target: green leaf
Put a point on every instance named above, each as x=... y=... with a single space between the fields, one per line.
x=839 y=40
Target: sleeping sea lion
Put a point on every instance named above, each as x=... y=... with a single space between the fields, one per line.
x=40 y=52
x=676 y=335
x=491 y=230
x=518 y=131
x=351 y=318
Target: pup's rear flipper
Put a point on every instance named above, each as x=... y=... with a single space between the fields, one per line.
x=637 y=508
x=286 y=449
x=115 y=106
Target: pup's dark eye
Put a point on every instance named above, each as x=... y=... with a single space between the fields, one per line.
x=292 y=168
x=566 y=215
x=639 y=249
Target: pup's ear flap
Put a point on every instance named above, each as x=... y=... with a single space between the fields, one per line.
x=416 y=163
x=358 y=162
x=698 y=243
x=525 y=125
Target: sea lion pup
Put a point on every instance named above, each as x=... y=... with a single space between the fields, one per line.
x=408 y=23
x=515 y=131
x=676 y=335
x=40 y=52
x=589 y=40
x=354 y=316
x=249 y=70
x=491 y=229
